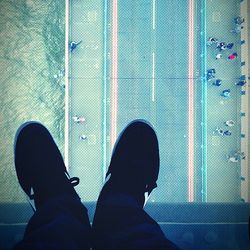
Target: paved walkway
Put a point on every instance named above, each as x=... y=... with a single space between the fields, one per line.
x=86 y=86
x=223 y=177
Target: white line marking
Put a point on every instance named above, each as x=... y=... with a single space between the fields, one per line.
x=114 y=101
x=153 y=77
x=66 y=64
x=191 y=102
x=153 y=14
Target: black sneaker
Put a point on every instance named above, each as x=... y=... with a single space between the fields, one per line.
x=120 y=221
x=39 y=165
x=134 y=165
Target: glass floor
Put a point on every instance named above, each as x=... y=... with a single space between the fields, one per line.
x=149 y=60
x=144 y=59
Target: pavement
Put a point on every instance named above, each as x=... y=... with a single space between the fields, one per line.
x=86 y=90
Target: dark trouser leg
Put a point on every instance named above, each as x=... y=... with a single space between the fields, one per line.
x=61 y=223
x=120 y=223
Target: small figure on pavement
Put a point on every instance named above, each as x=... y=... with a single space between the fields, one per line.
x=236 y=157
x=229 y=123
x=210 y=74
x=73 y=45
x=230 y=45
x=218 y=56
x=227 y=133
x=83 y=137
x=221 y=132
x=237 y=29
x=217 y=82
x=78 y=119
x=218 y=131
x=232 y=56
x=211 y=41
x=225 y=93
x=221 y=46
x=241 y=83
x=239 y=20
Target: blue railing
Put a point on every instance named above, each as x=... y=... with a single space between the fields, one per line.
x=104 y=105
x=204 y=99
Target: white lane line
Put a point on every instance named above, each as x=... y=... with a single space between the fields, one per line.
x=153 y=15
x=191 y=102
x=66 y=64
x=153 y=77
x=114 y=91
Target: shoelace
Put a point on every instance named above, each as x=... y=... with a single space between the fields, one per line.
x=74 y=181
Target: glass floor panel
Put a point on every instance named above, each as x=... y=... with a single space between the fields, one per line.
x=148 y=60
